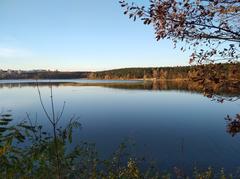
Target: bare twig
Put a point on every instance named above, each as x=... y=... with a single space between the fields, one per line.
x=60 y=116
x=30 y=122
x=52 y=103
x=53 y=121
x=44 y=109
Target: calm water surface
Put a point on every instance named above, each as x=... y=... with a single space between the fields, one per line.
x=173 y=127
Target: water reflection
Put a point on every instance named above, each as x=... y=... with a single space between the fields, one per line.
x=229 y=91
x=233 y=124
x=160 y=114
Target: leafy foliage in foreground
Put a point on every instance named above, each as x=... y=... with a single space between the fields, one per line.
x=210 y=28
x=26 y=151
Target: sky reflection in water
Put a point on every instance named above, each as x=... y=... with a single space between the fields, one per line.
x=173 y=127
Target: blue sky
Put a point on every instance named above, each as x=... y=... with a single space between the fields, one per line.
x=78 y=35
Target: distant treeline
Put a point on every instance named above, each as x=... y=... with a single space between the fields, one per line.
x=42 y=75
x=213 y=71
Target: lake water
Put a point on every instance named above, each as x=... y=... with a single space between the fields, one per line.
x=169 y=123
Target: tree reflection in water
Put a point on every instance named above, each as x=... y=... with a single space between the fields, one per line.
x=233 y=124
x=220 y=92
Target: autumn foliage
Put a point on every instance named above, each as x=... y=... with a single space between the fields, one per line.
x=211 y=29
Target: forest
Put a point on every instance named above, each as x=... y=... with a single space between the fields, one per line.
x=230 y=71
x=41 y=75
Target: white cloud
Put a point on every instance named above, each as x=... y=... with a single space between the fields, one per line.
x=6 y=52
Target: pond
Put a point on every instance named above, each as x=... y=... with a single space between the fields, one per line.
x=170 y=123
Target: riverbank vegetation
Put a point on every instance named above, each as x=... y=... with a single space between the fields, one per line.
x=40 y=74
x=228 y=71
x=27 y=151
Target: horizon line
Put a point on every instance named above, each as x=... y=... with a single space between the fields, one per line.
x=34 y=69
